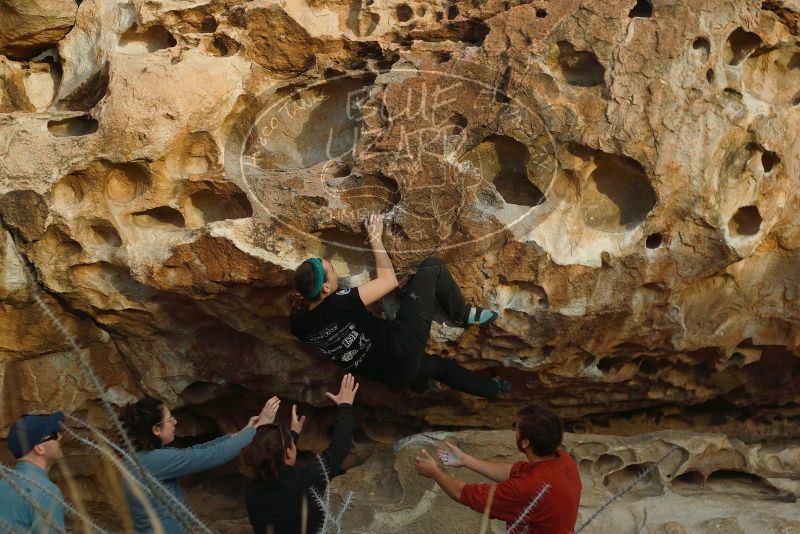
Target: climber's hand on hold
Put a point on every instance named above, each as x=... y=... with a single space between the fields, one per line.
x=374 y=226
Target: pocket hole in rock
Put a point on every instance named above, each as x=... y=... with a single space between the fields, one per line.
x=653 y=241
x=125 y=182
x=710 y=75
x=745 y=222
x=648 y=485
x=650 y=366
x=452 y=12
x=73 y=126
x=541 y=13
x=215 y=207
x=404 y=13
x=688 y=482
x=643 y=8
x=702 y=47
x=105 y=234
x=740 y=44
x=162 y=216
x=769 y=160
x=745 y=484
x=503 y=161
x=137 y=42
x=607 y=463
x=618 y=195
x=443 y=56
x=579 y=68
x=223 y=46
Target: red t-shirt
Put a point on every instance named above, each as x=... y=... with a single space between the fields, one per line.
x=557 y=510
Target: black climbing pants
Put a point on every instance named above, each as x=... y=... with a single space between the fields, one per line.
x=408 y=363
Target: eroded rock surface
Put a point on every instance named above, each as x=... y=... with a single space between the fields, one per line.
x=700 y=483
x=618 y=178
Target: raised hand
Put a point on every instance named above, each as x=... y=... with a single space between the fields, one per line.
x=268 y=412
x=297 y=424
x=451 y=455
x=425 y=464
x=347 y=391
x=374 y=226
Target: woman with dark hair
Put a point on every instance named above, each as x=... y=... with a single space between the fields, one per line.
x=336 y=322
x=151 y=427
x=281 y=497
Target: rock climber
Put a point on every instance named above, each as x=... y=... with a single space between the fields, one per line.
x=335 y=321
x=539 y=494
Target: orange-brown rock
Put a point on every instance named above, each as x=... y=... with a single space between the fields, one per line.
x=616 y=178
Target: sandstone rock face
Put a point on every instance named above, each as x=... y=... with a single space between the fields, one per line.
x=617 y=178
x=28 y=27
x=699 y=483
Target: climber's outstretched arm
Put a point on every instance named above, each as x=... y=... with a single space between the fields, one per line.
x=386 y=280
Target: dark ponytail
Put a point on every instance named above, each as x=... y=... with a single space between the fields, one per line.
x=139 y=419
x=264 y=457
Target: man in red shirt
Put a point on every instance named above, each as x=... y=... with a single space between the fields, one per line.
x=537 y=496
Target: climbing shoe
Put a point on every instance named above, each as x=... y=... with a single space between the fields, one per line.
x=478 y=315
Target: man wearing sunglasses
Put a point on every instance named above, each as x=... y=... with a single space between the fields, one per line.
x=29 y=501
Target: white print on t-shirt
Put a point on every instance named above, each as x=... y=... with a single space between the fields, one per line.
x=349 y=339
x=347 y=356
x=343 y=291
x=325 y=332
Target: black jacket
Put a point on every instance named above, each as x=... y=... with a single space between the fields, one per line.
x=278 y=502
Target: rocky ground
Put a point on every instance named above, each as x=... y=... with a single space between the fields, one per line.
x=618 y=178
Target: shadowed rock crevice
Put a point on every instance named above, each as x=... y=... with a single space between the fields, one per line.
x=472 y=32
x=643 y=8
x=617 y=194
x=745 y=222
x=162 y=218
x=73 y=126
x=222 y=45
x=739 y=45
x=648 y=486
x=138 y=41
x=579 y=67
x=503 y=161
x=88 y=94
x=216 y=204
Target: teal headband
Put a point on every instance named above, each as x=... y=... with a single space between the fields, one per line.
x=319 y=272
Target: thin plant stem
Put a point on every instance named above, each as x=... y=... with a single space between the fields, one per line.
x=641 y=476
x=487 y=510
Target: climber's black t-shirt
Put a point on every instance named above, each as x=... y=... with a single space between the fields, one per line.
x=342 y=329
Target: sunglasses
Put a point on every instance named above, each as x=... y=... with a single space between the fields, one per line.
x=170 y=420
x=53 y=436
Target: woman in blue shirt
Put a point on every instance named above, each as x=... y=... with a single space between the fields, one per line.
x=151 y=427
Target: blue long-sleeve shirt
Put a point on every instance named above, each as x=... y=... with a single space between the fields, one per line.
x=18 y=511
x=169 y=464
